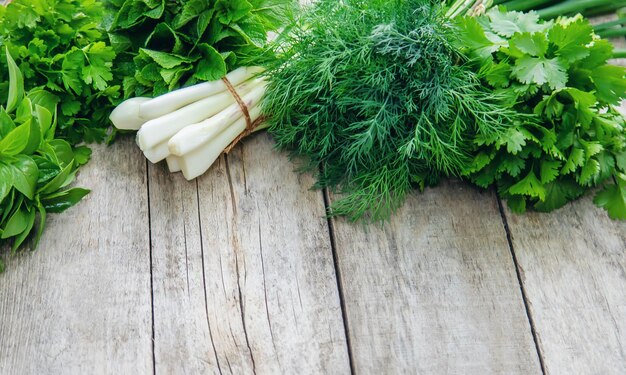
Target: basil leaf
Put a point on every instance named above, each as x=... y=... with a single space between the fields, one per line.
x=16 y=83
x=25 y=175
x=58 y=181
x=6 y=181
x=16 y=141
x=61 y=201
x=6 y=123
x=30 y=221
x=42 y=223
x=62 y=151
x=16 y=224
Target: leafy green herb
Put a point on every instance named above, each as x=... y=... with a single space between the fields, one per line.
x=167 y=44
x=558 y=71
x=35 y=167
x=60 y=47
x=373 y=93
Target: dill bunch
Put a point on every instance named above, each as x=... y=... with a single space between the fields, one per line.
x=378 y=100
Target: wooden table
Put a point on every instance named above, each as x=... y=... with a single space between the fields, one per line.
x=239 y=272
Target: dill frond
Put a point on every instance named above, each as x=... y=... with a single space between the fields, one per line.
x=378 y=99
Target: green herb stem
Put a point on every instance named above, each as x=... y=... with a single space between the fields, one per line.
x=577 y=6
x=619 y=54
x=612 y=33
x=526 y=5
x=609 y=25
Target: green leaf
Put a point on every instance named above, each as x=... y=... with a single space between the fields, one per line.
x=16 y=224
x=517 y=203
x=535 y=44
x=589 y=172
x=613 y=198
x=540 y=70
x=509 y=23
x=34 y=137
x=16 y=141
x=558 y=193
x=515 y=140
x=212 y=66
x=530 y=186
x=21 y=237
x=82 y=155
x=472 y=36
x=252 y=31
x=610 y=83
x=600 y=51
x=25 y=175
x=232 y=10
x=203 y=22
x=164 y=59
x=61 y=151
x=70 y=108
x=16 y=83
x=61 y=201
x=59 y=181
x=512 y=165
x=6 y=123
x=549 y=170
x=621 y=160
x=191 y=9
x=576 y=159
x=73 y=63
x=44 y=118
x=98 y=71
x=572 y=39
x=6 y=181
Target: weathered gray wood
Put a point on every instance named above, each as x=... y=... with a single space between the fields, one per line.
x=269 y=301
x=182 y=338
x=573 y=263
x=80 y=304
x=434 y=291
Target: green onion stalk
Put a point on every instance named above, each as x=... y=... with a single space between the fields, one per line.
x=545 y=8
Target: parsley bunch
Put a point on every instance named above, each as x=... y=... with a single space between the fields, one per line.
x=35 y=167
x=60 y=46
x=558 y=72
x=167 y=44
x=373 y=93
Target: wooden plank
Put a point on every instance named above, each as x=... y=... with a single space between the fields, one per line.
x=256 y=291
x=573 y=263
x=182 y=336
x=81 y=303
x=434 y=290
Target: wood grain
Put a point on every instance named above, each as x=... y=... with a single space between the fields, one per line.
x=573 y=263
x=182 y=338
x=256 y=291
x=80 y=304
x=434 y=290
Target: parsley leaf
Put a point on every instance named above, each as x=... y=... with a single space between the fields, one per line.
x=556 y=73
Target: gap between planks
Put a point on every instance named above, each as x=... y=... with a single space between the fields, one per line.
x=520 y=280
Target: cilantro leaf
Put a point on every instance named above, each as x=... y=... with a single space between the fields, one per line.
x=572 y=39
x=610 y=83
x=549 y=170
x=613 y=198
x=530 y=186
x=540 y=70
x=509 y=23
x=533 y=44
